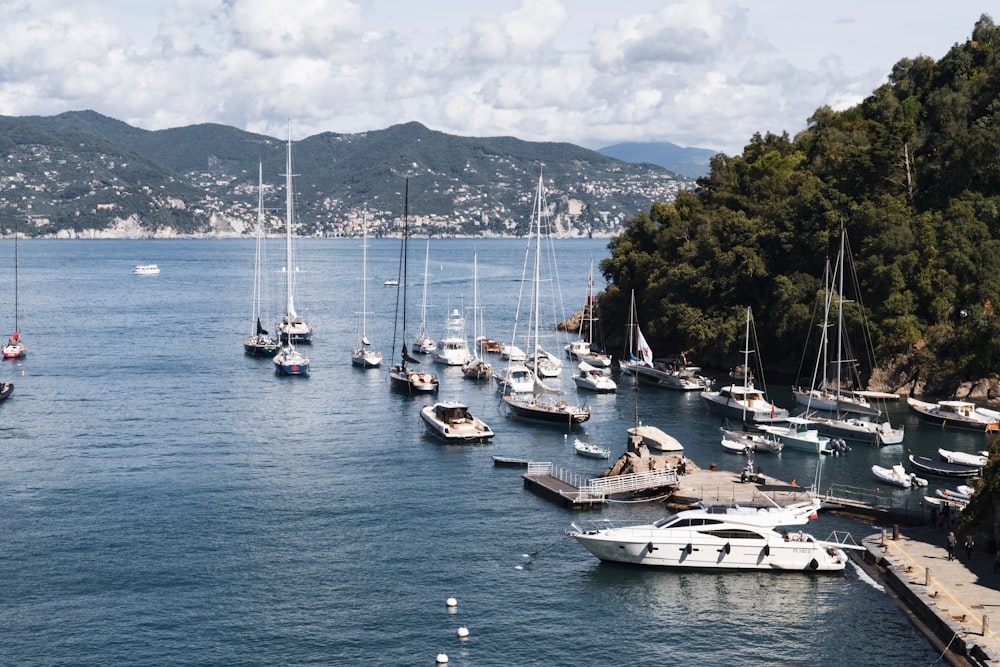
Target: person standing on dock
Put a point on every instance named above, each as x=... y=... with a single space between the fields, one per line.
x=969 y=545
x=952 y=541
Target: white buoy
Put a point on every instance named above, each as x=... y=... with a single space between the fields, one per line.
x=441 y=659
x=518 y=567
x=463 y=632
x=451 y=602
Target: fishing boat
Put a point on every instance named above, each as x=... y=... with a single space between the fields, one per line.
x=423 y=342
x=716 y=537
x=477 y=367
x=743 y=402
x=364 y=354
x=978 y=460
x=146 y=270
x=591 y=450
x=401 y=376
x=452 y=422
x=540 y=405
x=837 y=402
x=942 y=468
x=898 y=476
x=954 y=414
x=292 y=328
x=259 y=343
x=15 y=347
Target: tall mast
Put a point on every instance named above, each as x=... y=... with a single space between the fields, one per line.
x=288 y=229
x=538 y=252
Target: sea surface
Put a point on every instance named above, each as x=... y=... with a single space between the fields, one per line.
x=166 y=500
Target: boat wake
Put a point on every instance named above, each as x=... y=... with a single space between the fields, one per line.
x=866 y=578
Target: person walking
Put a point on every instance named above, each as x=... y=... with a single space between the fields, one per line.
x=969 y=544
x=952 y=541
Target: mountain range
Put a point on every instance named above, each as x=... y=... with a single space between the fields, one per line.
x=683 y=160
x=80 y=173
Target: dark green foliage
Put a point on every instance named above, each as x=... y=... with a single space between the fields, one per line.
x=912 y=173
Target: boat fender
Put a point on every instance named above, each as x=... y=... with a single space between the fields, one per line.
x=767 y=549
x=650 y=548
x=446 y=430
x=687 y=549
x=813 y=564
x=725 y=549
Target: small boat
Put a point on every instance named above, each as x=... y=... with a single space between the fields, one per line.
x=477 y=367
x=401 y=376
x=593 y=379
x=452 y=422
x=977 y=460
x=965 y=489
x=15 y=347
x=940 y=502
x=512 y=353
x=290 y=361
x=259 y=343
x=392 y=282
x=146 y=270
x=582 y=349
x=364 y=354
x=796 y=433
x=942 y=468
x=591 y=450
x=6 y=388
x=898 y=476
x=488 y=345
x=952 y=495
x=955 y=414
x=423 y=342
x=533 y=407
x=515 y=379
x=510 y=462
x=740 y=442
x=453 y=350
x=730 y=537
x=292 y=328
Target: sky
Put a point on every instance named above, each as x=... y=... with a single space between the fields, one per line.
x=702 y=73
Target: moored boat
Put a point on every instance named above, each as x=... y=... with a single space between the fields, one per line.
x=146 y=270
x=898 y=476
x=942 y=468
x=452 y=422
x=954 y=414
x=591 y=450
x=978 y=460
x=719 y=537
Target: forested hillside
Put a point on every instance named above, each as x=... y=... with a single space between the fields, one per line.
x=912 y=174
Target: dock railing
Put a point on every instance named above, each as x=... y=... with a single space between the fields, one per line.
x=598 y=488
x=883 y=502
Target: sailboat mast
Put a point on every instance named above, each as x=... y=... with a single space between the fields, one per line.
x=538 y=252
x=406 y=232
x=17 y=305
x=364 y=277
x=840 y=318
x=257 y=280
x=290 y=307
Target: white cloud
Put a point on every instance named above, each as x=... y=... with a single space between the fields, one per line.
x=696 y=72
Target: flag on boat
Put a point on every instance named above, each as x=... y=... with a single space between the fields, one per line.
x=647 y=354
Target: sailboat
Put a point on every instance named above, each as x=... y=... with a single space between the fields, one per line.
x=582 y=348
x=291 y=328
x=834 y=410
x=538 y=405
x=259 y=342
x=15 y=347
x=744 y=402
x=477 y=367
x=423 y=342
x=401 y=376
x=364 y=354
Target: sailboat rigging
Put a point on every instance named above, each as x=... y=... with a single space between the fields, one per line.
x=364 y=354
x=423 y=342
x=292 y=328
x=15 y=347
x=401 y=377
x=533 y=405
x=259 y=342
x=477 y=367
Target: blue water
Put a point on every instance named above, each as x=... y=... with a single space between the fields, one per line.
x=166 y=500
